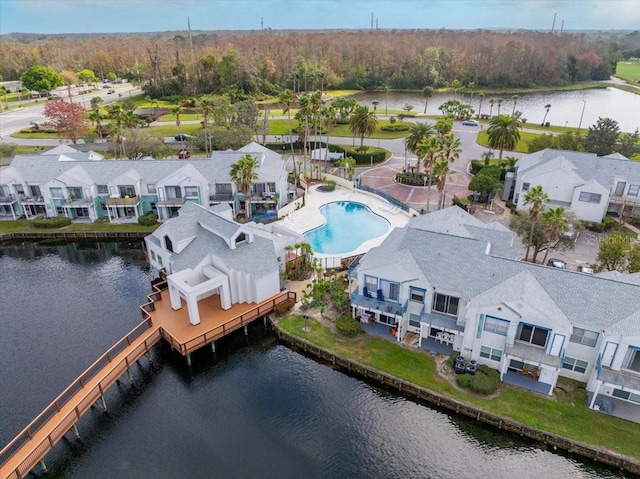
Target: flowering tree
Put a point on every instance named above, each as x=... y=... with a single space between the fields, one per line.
x=70 y=119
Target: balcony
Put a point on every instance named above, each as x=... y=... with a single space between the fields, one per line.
x=32 y=200
x=623 y=378
x=383 y=305
x=78 y=202
x=219 y=198
x=7 y=200
x=439 y=321
x=532 y=354
x=625 y=200
x=171 y=202
x=126 y=201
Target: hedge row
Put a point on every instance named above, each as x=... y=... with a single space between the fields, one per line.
x=55 y=222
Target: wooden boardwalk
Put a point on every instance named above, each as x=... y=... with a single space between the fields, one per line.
x=30 y=447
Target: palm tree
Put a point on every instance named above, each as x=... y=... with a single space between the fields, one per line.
x=427 y=92
x=286 y=100
x=429 y=149
x=348 y=166
x=375 y=104
x=546 y=107
x=363 y=122
x=206 y=105
x=243 y=173
x=481 y=95
x=96 y=101
x=440 y=171
x=504 y=133
x=556 y=223
x=450 y=148
x=515 y=99
x=537 y=198
x=491 y=102
x=486 y=156
x=444 y=125
x=499 y=102
x=176 y=110
x=417 y=133
x=96 y=116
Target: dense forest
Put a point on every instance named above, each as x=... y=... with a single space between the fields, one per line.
x=241 y=63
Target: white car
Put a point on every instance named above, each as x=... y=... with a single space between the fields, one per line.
x=470 y=123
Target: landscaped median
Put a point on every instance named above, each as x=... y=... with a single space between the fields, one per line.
x=562 y=421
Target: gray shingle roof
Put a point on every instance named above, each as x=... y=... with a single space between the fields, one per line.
x=460 y=264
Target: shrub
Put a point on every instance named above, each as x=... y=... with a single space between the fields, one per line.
x=412 y=179
x=347 y=325
x=485 y=381
x=328 y=185
x=392 y=119
x=461 y=202
x=609 y=223
x=362 y=158
x=395 y=127
x=149 y=219
x=55 y=222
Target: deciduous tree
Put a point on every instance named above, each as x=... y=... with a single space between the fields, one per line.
x=601 y=137
x=41 y=79
x=70 y=119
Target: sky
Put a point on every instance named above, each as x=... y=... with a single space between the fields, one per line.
x=108 y=16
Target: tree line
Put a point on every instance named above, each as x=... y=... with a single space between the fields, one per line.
x=249 y=63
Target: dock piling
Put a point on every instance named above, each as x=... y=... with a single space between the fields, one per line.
x=188 y=359
x=74 y=429
x=43 y=466
x=129 y=375
x=246 y=331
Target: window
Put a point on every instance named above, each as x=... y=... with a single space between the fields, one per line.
x=35 y=190
x=151 y=188
x=103 y=189
x=191 y=191
x=75 y=192
x=525 y=186
x=583 y=336
x=632 y=359
x=576 y=365
x=19 y=189
x=371 y=285
x=496 y=325
x=628 y=395
x=417 y=295
x=586 y=197
x=168 y=244
x=56 y=192
x=490 y=353
x=634 y=190
x=127 y=190
x=173 y=192
x=532 y=335
x=445 y=304
x=414 y=320
x=4 y=190
x=390 y=290
x=223 y=189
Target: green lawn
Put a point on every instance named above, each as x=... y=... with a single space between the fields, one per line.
x=564 y=414
x=183 y=117
x=629 y=71
x=21 y=226
x=521 y=147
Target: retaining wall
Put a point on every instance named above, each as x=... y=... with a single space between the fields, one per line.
x=595 y=453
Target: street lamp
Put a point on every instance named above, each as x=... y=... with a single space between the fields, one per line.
x=386 y=100
x=584 y=103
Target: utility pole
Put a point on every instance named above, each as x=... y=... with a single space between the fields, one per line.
x=561 y=27
x=261 y=23
x=371 y=20
x=190 y=39
x=553 y=25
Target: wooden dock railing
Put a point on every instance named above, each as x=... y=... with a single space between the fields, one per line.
x=31 y=445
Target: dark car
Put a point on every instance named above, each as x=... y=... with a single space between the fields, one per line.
x=110 y=92
x=181 y=137
x=557 y=263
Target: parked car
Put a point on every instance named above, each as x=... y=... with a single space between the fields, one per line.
x=470 y=123
x=585 y=269
x=106 y=85
x=181 y=137
x=572 y=233
x=557 y=263
x=110 y=92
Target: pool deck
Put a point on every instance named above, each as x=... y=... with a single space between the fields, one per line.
x=309 y=216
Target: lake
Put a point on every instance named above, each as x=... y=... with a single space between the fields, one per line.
x=255 y=409
x=566 y=106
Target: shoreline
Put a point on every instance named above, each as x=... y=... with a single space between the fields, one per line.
x=589 y=451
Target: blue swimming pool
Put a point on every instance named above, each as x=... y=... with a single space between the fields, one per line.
x=347 y=226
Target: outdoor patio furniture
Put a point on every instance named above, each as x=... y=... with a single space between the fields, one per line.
x=439 y=338
x=525 y=370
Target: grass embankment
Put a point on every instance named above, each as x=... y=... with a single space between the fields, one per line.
x=565 y=414
x=629 y=71
x=521 y=147
x=26 y=226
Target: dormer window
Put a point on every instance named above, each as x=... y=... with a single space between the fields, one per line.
x=445 y=304
x=168 y=244
x=535 y=335
x=241 y=238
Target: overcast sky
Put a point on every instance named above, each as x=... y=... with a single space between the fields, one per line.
x=90 y=16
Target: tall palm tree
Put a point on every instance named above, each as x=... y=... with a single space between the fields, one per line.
x=556 y=223
x=450 y=148
x=430 y=150
x=177 y=110
x=417 y=133
x=427 y=92
x=515 y=99
x=328 y=116
x=491 y=102
x=363 y=122
x=537 y=199
x=317 y=103
x=440 y=171
x=481 y=95
x=504 y=134
x=286 y=100
x=444 y=125
x=303 y=117
x=206 y=106
x=546 y=107
x=243 y=173
x=499 y=102
x=96 y=116
x=348 y=166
